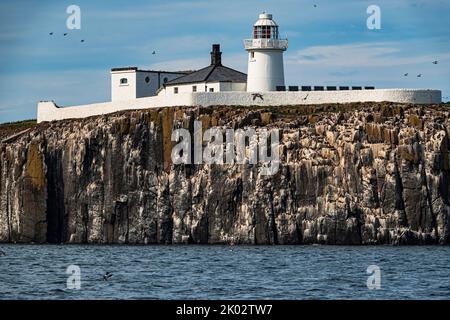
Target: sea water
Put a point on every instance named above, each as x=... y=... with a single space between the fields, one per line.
x=224 y=272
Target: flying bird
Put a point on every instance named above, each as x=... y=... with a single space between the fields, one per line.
x=51 y=33
x=406 y=74
x=435 y=62
x=82 y=40
x=65 y=34
x=419 y=75
x=154 y=52
x=106 y=276
x=315 y=6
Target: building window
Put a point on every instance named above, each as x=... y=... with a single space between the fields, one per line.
x=211 y=89
x=165 y=80
x=194 y=88
x=147 y=79
x=123 y=81
x=175 y=90
x=252 y=55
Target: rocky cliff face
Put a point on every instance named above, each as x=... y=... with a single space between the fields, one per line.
x=349 y=174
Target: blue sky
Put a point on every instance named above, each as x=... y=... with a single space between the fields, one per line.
x=328 y=44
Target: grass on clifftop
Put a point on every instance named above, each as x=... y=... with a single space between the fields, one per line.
x=10 y=128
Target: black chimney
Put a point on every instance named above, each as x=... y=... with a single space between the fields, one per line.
x=216 y=55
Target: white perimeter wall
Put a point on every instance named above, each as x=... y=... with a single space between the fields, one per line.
x=233 y=86
x=47 y=111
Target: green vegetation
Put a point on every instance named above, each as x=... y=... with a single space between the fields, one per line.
x=10 y=128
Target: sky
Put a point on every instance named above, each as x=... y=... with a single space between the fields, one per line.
x=329 y=44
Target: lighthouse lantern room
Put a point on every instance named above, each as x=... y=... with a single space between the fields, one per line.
x=265 y=56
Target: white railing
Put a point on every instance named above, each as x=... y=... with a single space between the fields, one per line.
x=265 y=44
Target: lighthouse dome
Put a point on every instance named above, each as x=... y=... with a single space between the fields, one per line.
x=265 y=19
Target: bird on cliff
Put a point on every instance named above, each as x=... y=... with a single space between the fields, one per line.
x=435 y=62
x=106 y=276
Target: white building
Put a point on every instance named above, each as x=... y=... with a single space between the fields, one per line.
x=213 y=78
x=265 y=56
x=131 y=83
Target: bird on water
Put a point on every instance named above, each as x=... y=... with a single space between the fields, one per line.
x=106 y=276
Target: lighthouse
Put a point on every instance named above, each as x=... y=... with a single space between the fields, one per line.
x=265 y=56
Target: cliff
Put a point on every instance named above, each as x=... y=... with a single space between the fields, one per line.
x=371 y=173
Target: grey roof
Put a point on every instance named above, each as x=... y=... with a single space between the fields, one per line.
x=212 y=73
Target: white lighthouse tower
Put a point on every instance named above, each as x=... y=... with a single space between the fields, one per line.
x=265 y=56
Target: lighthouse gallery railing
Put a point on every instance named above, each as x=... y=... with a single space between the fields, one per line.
x=265 y=44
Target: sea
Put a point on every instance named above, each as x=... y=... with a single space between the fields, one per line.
x=224 y=272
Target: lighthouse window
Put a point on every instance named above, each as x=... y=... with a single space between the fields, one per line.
x=257 y=32
x=252 y=55
x=175 y=90
x=275 y=32
x=123 y=81
x=147 y=79
x=266 y=32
